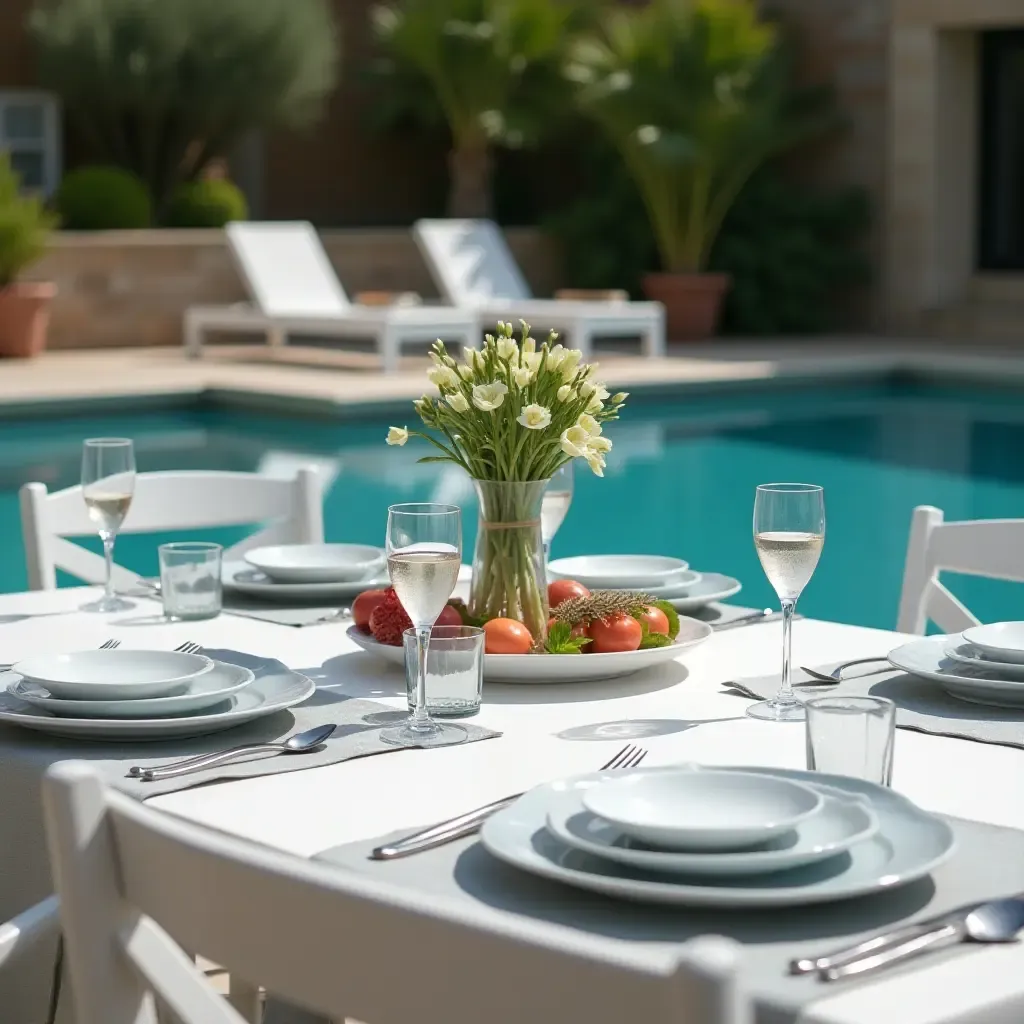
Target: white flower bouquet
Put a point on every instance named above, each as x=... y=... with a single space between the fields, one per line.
x=511 y=414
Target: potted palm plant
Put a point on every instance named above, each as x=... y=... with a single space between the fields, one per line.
x=695 y=95
x=25 y=226
x=490 y=67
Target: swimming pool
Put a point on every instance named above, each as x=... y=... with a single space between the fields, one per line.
x=680 y=480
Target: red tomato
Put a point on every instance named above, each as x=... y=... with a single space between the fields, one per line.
x=562 y=590
x=616 y=633
x=655 y=619
x=506 y=636
x=448 y=617
x=363 y=606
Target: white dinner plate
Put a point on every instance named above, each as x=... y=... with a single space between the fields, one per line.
x=844 y=820
x=910 y=844
x=559 y=668
x=926 y=658
x=968 y=654
x=617 y=572
x=275 y=688
x=243 y=578
x=1000 y=641
x=711 y=586
x=118 y=673
x=318 y=563
x=203 y=692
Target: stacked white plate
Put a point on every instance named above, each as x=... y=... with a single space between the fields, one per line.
x=665 y=578
x=983 y=665
x=303 y=572
x=121 y=693
x=726 y=837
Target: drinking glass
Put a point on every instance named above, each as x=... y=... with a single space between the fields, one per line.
x=108 y=483
x=789 y=532
x=190 y=582
x=851 y=736
x=424 y=548
x=455 y=670
x=555 y=505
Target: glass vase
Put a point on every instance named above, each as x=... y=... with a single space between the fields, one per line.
x=509 y=579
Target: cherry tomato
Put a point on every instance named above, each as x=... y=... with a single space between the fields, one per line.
x=448 y=617
x=506 y=636
x=363 y=606
x=655 y=619
x=616 y=633
x=562 y=590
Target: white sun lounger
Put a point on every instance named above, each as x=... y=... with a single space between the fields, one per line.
x=474 y=269
x=295 y=291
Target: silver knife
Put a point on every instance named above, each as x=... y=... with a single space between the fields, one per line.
x=747 y=620
x=445 y=832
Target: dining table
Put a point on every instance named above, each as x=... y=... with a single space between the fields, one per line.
x=680 y=711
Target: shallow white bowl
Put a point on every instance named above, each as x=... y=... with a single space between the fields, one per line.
x=1000 y=641
x=703 y=810
x=317 y=563
x=115 y=674
x=620 y=571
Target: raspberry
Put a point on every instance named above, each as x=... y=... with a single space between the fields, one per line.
x=389 y=620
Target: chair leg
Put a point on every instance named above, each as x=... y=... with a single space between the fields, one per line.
x=193 y=337
x=653 y=340
x=245 y=998
x=275 y=337
x=389 y=351
x=582 y=338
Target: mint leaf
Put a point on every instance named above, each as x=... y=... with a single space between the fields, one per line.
x=673 y=618
x=561 y=641
x=654 y=640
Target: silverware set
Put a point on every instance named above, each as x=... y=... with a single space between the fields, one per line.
x=107 y=645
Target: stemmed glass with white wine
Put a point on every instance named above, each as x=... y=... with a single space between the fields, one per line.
x=789 y=533
x=555 y=504
x=424 y=548
x=108 y=483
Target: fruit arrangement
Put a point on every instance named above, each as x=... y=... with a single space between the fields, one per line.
x=581 y=622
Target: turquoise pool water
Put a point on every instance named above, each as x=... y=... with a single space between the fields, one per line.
x=680 y=480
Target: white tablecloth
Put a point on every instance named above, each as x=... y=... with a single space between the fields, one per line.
x=679 y=712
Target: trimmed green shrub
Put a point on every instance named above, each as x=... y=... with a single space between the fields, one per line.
x=209 y=203
x=24 y=225
x=103 y=198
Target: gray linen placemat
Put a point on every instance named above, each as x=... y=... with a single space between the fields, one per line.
x=921 y=705
x=358 y=735
x=291 y=614
x=988 y=862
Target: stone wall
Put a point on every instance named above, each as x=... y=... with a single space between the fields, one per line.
x=130 y=287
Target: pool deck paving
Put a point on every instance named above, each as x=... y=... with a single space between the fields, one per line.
x=335 y=378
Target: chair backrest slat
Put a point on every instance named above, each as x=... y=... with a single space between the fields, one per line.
x=330 y=940
x=286 y=270
x=993 y=548
x=470 y=261
x=290 y=511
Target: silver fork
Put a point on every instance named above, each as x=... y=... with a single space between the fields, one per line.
x=836 y=675
x=107 y=645
x=466 y=824
x=188 y=648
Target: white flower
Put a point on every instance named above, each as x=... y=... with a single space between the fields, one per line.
x=532 y=360
x=423 y=405
x=534 y=417
x=574 y=441
x=488 y=397
x=620 y=397
x=522 y=376
x=457 y=401
x=595 y=460
x=507 y=348
x=436 y=359
x=591 y=370
x=589 y=424
x=443 y=377
x=466 y=372
x=471 y=356
x=570 y=361
x=600 y=444
x=556 y=356
x=602 y=392
x=594 y=406
x=587 y=388
x=529 y=344
x=397 y=435
x=565 y=393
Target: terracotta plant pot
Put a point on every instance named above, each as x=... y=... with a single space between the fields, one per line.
x=693 y=302
x=25 y=317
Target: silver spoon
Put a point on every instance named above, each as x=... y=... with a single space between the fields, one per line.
x=300 y=743
x=998 y=921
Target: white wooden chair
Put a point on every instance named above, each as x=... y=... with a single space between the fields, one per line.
x=294 y=290
x=978 y=547
x=474 y=268
x=185 y=500
x=335 y=942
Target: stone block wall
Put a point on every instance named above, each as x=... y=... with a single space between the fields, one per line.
x=130 y=288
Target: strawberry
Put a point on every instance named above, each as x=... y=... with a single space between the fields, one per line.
x=389 y=620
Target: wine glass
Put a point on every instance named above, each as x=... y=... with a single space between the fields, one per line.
x=555 y=504
x=424 y=548
x=108 y=483
x=789 y=532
